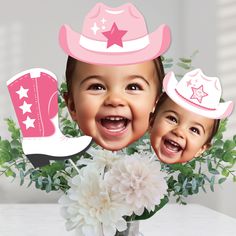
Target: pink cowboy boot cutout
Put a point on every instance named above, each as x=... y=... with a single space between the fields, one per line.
x=34 y=96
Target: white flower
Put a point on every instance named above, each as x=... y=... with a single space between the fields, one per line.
x=137 y=181
x=90 y=208
x=102 y=159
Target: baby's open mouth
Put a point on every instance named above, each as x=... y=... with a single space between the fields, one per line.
x=114 y=123
x=172 y=145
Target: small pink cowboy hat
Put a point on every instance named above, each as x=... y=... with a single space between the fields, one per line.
x=114 y=36
x=198 y=93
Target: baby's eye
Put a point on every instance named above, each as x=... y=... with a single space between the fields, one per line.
x=195 y=130
x=134 y=86
x=96 y=87
x=172 y=119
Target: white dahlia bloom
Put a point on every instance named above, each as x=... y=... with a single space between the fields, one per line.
x=90 y=208
x=138 y=181
x=102 y=159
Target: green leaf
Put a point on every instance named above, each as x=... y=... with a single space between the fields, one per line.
x=49 y=185
x=234 y=178
x=218 y=143
x=15 y=144
x=219 y=135
x=50 y=170
x=15 y=132
x=166 y=66
x=218 y=153
x=5 y=156
x=29 y=184
x=168 y=60
x=206 y=178
x=183 y=203
x=209 y=164
x=63 y=87
x=229 y=145
x=5 y=145
x=225 y=172
x=194 y=184
x=228 y=157
x=176 y=167
x=29 y=171
x=185 y=60
x=234 y=138
x=130 y=150
x=15 y=153
x=9 y=172
x=185 y=183
x=21 y=166
x=56 y=182
x=193 y=164
x=181 y=178
x=39 y=182
x=221 y=129
x=185 y=193
x=21 y=177
x=178 y=199
x=203 y=188
x=214 y=171
x=212 y=182
x=183 y=65
x=187 y=171
x=177 y=188
x=35 y=174
x=222 y=180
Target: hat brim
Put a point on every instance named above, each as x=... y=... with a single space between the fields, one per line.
x=159 y=43
x=223 y=110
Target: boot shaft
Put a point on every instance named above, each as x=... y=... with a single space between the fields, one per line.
x=34 y=97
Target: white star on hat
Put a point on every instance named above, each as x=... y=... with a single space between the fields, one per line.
x=95 y=28
x=29 y=122
x=103 y=20
x=22 y=92
x=25 y=107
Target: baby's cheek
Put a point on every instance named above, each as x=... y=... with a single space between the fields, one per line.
x=85 y=107
x=86 y=125
x=155 y=142
x=142 y=124
x=83 y=118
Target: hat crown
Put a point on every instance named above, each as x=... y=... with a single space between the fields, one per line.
x=200 y=89
x=126 y=17
x=198 y=93
x=114 y=36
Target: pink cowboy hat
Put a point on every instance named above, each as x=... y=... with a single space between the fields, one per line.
x=114 y=36
x=198 y=93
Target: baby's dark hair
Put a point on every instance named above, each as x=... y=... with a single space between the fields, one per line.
x=71 y=64
x=161 y=101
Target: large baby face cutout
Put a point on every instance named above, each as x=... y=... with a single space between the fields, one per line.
x=113 y=53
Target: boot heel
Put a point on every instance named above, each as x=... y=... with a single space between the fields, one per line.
x=38 y=160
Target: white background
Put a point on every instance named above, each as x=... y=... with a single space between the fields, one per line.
x=29 y=38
